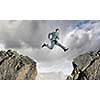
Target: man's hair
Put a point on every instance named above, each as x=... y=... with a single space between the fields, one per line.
x=57 y=29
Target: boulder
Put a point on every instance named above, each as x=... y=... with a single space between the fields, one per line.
x=86 y=67
x=14 y=66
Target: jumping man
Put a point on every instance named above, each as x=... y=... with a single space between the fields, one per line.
x=54 y=37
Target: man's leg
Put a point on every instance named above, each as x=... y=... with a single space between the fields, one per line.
x=49 y=46
x=60 y=45
x=43 y=45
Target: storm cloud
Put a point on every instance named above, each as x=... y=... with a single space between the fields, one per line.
x=26 y=35
x=16 y=33
x=30 y=32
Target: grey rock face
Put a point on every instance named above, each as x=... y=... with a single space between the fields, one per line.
x=86 y=67
x=14 y=66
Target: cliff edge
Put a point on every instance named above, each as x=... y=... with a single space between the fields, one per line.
x=14 y=66
x=86 y=66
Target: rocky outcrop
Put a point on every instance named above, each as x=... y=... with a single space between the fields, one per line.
x=14 y=66
x=86 y=67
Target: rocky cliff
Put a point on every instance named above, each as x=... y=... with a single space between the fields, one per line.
x=86 y=67
x=14 y=66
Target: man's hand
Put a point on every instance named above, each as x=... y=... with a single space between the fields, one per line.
x=57 y=37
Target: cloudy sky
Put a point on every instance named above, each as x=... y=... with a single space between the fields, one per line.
x=27 y=36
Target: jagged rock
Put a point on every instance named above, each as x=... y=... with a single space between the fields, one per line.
x=14 y=66
x=86 y=67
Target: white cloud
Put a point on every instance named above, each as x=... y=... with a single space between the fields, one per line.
x=84 y=38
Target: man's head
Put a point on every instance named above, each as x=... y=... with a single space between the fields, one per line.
x=57 y=30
